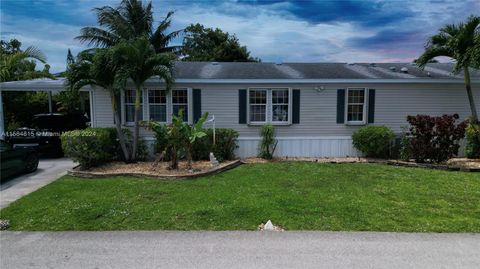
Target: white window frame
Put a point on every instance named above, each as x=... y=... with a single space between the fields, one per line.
x=124 y=111
x=365 y=106
x=146 y=110
x=269 y=106
x=189 y=103
x=149 y=104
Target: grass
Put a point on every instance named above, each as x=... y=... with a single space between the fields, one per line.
x=294 y=195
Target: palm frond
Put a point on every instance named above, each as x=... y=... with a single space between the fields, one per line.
x=432 y=52
x=94 y=36
x=33 y=52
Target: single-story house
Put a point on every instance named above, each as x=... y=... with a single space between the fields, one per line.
x=315 y=106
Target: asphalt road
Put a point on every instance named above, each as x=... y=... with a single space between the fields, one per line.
x=237 y=250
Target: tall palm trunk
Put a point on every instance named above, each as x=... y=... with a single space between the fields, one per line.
x=138 y=93
x=468 y=85
x=118 y=126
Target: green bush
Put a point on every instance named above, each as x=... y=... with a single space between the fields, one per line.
x=472 y=147
x=373 y=141
x=268 y=143
x=96 y=146
x=90 y=147
x=224 y=148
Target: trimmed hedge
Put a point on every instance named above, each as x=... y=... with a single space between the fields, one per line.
x=373 y=141
x=96 y=146
x=472 y=147
x=90 y=147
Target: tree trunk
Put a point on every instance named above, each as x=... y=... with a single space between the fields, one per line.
x=118 y=126
x=174 y=161
x=138 y=93
x=189 y=157
x=470 y=94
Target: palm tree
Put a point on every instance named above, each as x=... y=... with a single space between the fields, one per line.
x=457 y=42
x=140 y=62
x=130 y=20
x=16 y=66
x=97 y=68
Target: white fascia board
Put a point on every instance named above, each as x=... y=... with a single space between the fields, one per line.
x=316 y=81
x=57 y=85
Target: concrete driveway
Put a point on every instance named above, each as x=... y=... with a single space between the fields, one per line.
x=48 y=171
x=237 y=250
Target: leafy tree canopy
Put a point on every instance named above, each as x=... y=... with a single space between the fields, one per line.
x=18 y=64
x=208 y=44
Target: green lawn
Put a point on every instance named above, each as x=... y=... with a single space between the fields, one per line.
x=294 y=195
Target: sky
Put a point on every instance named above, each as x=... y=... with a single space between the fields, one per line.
x=273 y=30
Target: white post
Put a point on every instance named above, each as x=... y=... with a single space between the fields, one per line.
x=213 y=120
x=2 y=122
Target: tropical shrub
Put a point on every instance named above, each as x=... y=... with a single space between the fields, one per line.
x=434 y=139
x=373 y=141
x=225 y=145
x=90 y=147
x=268 y=143
x=472 y=147
x=178 y=137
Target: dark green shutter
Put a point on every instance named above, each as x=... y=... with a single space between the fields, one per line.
x=371 y=105
x=341 y=106
x=296 y=107
x=242 y=106
x=197 y=104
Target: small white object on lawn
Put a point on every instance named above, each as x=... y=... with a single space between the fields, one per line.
x=269 y=226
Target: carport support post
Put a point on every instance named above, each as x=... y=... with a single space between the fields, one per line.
x=50 y=107
x=2 y=122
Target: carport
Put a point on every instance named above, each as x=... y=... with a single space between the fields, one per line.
x=51 y=86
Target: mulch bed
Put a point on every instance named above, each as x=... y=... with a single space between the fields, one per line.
x=455 y=164
x=147 y=169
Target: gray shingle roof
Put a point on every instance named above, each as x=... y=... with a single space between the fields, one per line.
x=237 y=70
x=206 y=71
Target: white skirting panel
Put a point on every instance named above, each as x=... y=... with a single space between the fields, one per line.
x=301 y=147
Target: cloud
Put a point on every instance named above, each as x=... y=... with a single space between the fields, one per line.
x=365 y=13
x=53 y=39
x=276 y=30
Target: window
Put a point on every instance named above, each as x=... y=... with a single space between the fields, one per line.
x=258 y=105
x=130 y=106
x=280 y=105
x=356 y=105
x=269 y=105
x=157 y=105
x=180 y=102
